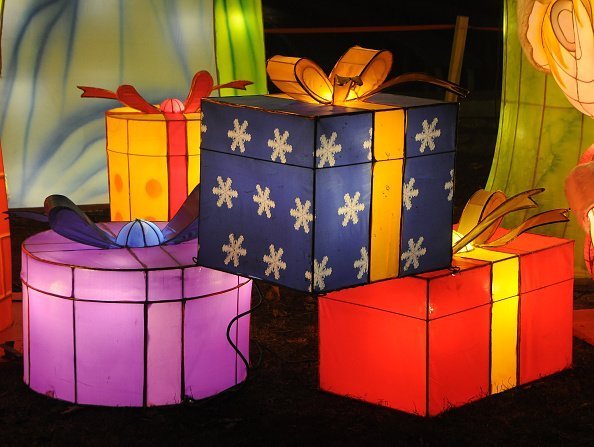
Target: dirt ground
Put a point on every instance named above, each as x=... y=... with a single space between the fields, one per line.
x=281 y=404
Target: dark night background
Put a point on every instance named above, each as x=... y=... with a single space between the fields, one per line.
x=418 y=51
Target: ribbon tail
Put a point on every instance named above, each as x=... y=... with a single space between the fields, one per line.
x=28 y=215
x=128 y=95
x=202 y=85
x=94 y=92
x=68 y=220
x=518 y=202
x=419 y=77
x=184 y=225
x=547 y=217
x=240 y=85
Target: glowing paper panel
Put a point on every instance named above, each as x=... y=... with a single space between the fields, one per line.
x=286 y=189
x=541 y=135
x=50 y=47
x=149 y=156
x=438 y=340
x=154 y=336
x=5 y=254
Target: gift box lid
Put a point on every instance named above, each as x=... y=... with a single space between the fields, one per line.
x=279 y=129
x=426 y=296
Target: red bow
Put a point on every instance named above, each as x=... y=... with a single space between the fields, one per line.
x=202 y=86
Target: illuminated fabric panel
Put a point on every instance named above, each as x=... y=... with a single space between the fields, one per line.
x=289 y=189
x=386 y=212
x=504 y=344
x=540 y=138
x=49 y=48
x=5 y=254
x=111 y=327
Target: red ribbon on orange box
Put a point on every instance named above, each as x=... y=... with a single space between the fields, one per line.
x=173 y=111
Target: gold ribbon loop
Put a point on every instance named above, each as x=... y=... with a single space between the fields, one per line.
x=485 y=210
x=358 y=74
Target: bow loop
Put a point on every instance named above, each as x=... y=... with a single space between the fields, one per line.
x=201 y=87
x=358 y=74
x=485 y=211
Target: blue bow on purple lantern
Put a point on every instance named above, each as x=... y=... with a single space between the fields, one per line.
x=68 y=220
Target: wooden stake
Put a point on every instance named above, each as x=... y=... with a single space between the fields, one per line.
x=457 y=54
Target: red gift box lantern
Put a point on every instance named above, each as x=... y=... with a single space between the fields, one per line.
x=499 y=318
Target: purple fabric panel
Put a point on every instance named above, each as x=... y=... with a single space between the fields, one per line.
x=243 y=328
x=25 y=308
x=114 y=259
x=165 y=285
x=183 y=253
x=164 y=353
x=209 y=360
x=50 y=278
x=106 y=285
x=154 y=257
x=47 y=237
x=24 y=263
x=110 y=353
x=51 y=352
x=200 y=281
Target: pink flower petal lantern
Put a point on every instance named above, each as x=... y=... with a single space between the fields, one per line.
x=132 y=325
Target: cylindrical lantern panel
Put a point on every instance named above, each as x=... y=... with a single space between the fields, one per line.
x=129 y=327
x=153 y=162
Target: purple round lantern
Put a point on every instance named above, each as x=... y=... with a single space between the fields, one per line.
x=129 y=326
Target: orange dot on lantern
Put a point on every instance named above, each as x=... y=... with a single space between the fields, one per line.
x=118 y=183
x=118 y=216
x=153 y=188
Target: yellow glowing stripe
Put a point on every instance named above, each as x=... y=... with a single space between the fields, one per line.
x=504 y=341
x=385 y=219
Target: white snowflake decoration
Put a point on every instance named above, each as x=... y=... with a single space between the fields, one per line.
x=203 y=127
x=428 y=135
x=351 y=208
x=414 y=252
x=408 y=193
x=234 y=250
x=362 y=263
x=239 y=135
x=301 y=214
x=280 y=146
x=321 y=271
x=265 y=203
x=225 y=192
x=449 y=186
x=367 y=144
x=328 y=148
x=274 y=261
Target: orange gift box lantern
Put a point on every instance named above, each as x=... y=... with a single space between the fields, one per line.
x=5 y=255
x=153 y=152
x=499 y=318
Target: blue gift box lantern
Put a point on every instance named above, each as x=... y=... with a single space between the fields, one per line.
x=318 y=197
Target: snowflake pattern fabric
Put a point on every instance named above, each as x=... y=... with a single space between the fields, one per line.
x=279 y=146
x=265 y=203
x=413 y=254
x=239 y=135
x=290 y=185
x=224 y=191
x=327 y=150
x=409 y=192
x=274 y=262
x=428 y=135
